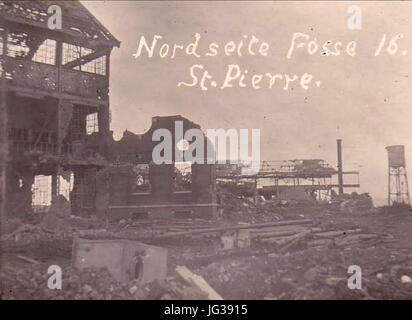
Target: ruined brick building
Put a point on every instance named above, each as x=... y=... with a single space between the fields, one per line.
x=140 y=188
x=56 y=124
x=55 y=100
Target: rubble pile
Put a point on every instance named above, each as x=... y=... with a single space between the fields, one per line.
x=89 y=284
x=49 y=226
x=32 y=283
x=309 y=274
x=354 y=202
x=235 y=206
x=262 y=250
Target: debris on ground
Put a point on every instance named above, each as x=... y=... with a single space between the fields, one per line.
x=262 y=251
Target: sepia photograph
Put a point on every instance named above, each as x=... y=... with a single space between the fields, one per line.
x=205 y=150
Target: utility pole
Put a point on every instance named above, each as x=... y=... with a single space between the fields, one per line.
x=340 y=169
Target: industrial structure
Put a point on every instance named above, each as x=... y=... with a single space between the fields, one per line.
x=398 y=189
x=140 y=188
x=299 y=179
x=55 y=123
x=54 y=101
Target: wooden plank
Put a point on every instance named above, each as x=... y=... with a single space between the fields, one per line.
x=28 y=259
x=198 y=282
x=85 y=59
x=296 y=229
x=235 y=227
x=299 y=237
x=280 y=233
x=281 y=237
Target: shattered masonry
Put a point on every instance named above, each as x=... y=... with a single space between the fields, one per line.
x=124 y=228
x=61 y=79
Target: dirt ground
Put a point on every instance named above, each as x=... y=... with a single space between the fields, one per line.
x=261 y=271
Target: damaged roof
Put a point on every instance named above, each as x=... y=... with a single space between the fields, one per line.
x=77 y=20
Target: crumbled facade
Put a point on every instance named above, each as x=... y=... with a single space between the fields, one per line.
x=54 y=101
x=140 y=188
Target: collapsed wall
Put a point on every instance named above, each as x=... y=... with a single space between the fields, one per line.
x=140 y=188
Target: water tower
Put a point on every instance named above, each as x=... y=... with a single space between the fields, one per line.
x=398 y=191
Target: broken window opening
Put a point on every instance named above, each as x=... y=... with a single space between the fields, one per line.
x=17 y=45
x=82 y=123
x=46 y=53
x=97 y=66
x=142 y=180
x=41 y=191
x=182 y=176
x=92 y=123
x=65 y=184
x=31 y=47
x=72 y=53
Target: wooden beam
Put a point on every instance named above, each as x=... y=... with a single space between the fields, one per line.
x=85 y=59
x=27 y=259
x=198 y=282
x=235 y=227
x=40 y=94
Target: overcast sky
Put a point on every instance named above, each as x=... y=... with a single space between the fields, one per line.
x=364 y=100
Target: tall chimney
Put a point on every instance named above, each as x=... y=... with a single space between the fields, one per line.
x=340 y=170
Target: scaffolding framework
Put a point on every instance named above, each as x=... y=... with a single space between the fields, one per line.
x=314 y=176
x=398 y=190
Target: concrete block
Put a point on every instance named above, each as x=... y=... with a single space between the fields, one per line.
x=126 y=260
